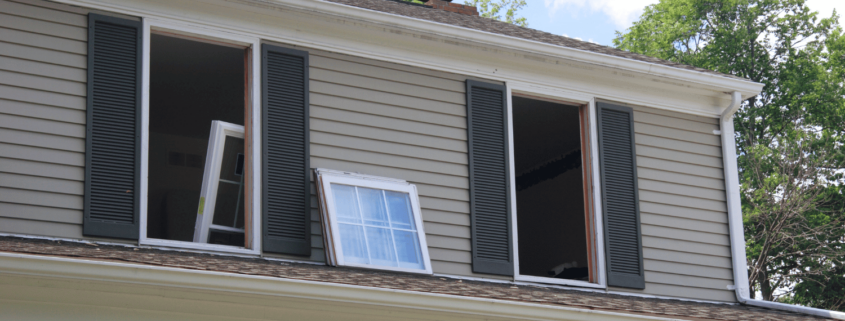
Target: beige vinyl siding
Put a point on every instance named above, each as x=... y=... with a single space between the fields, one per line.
x=686 y=245
x=397 y=121
x=42 y=117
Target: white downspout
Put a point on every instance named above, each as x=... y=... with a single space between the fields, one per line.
x=735 y=221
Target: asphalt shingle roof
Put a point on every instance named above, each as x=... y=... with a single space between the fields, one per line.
x=392 y=280
x=502 y=28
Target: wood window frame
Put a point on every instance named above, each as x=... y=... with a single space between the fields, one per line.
x=252 y=136
x=324 y=179
x=591 y=180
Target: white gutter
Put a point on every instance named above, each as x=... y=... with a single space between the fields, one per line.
x=735 y=221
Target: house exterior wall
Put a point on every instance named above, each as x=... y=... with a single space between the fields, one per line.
x=367 y=116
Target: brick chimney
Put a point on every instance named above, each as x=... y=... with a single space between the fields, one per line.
x=453 y=7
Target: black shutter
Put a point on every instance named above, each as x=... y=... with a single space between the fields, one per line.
x=285 y=187
x=113 y=138
x=489 y=179
x=620 y=197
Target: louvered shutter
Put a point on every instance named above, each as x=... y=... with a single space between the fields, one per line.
x=113 y=139
x=285 y=175
x=489 y=179
x=620 y=200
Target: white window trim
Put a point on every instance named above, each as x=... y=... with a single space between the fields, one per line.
x=578 y=98
x=327 y=177
x=216 y=36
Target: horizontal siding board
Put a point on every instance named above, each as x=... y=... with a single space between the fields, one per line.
x=686 y=292
x=61 y=86
x=687 y=281
x=16 y=136
x=393 y=87
x=688 y=269
x=673 y=122
x=43 y=55
x=684 y=190
x=26 y=109
x=387 y=123
x=687 y=258
x=40 y=97
x=409 y=175
x=682 y=201
x=691 y=213
x=676 y=156
x=40 y=213
x=674 y=114
x=690 y=171
x=26 y=197
x=42 y=69
x=367 y=132
x=683 y=223
x=387 y=98
x=42 y=184
x=449 y=193
x=33 y=227
x=448 y=242
x=678 y=145
x=685 y=246
x=330 y=139
x=42 y=155
x=450 y=255
x=387 y=73
x=361 y=156
x=446 y=205
x=17 y=166
x=43 y=41
x=452 y=218
x=42 y=126
x=678 y=134
x=52 y=15
x=396 y=67
x=369 y=107
x=433 y=228
x=43 y=27
x=686 y=235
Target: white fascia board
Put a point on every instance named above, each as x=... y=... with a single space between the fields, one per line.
x=206 y=285
x=747 y=87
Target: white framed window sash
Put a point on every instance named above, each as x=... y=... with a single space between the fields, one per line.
x=576 y=98
x=328 y=177
x=211 y=180
x=252 y=147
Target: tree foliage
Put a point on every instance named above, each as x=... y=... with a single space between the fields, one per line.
x=493 y=9
x=789 y=138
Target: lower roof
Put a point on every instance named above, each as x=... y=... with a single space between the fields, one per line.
x=668 y=308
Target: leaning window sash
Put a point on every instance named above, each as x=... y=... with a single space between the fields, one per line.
x=372 y=222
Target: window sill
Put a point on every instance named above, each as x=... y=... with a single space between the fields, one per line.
x=198 y=246
x=543 y=280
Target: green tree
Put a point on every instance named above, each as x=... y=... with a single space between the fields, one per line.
x=492 y=9
x=789 y=138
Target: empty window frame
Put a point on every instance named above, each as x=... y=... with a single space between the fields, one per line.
x=195 y=79
x=372 y=222
x=554 y=215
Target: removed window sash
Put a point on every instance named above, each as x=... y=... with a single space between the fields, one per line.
x=371 y=222
x=211 y=181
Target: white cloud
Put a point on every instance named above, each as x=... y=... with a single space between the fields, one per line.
x=623 y=12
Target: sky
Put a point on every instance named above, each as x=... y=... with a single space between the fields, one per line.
x=598 y=20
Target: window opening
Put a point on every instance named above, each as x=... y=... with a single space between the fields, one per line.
x=193 y=87
x=372 y=222
x=552 y=215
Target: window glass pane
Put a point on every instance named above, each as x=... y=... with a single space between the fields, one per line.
x=229 y=206
x=346 y=204
x=408 y=249
x=354 y=246
x=381 y=246
x=372 y=206
x=399 y=206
